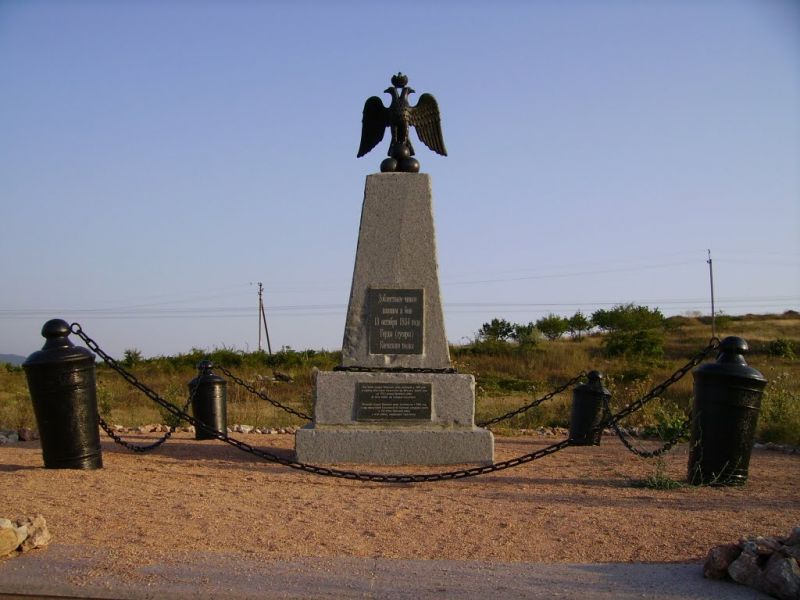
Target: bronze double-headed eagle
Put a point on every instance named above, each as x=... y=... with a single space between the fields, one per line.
x=400 y=114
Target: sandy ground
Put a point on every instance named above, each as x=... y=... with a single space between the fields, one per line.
x=579 y=506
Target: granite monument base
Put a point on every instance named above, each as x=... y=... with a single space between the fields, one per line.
x=394 y=419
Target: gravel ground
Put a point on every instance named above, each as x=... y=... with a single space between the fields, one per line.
x=581 y=505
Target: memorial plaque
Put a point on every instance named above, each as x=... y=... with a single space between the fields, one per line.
x=396 y=321
x=393 y=401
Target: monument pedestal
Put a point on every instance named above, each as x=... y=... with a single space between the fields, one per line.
x=394 y=419
x=396 y=399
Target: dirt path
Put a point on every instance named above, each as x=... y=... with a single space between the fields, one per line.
x=576 y=506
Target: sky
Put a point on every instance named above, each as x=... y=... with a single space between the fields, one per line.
x=159 y=159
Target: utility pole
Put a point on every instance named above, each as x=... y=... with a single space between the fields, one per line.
x=262 y=317
x=711 y=279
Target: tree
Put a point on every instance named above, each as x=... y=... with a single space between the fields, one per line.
x=552 y=326
x=577 y=324
x=632 y=331
x=525 y=335
x=131 y=357
x=498 y=330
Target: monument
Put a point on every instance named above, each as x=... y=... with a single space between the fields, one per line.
x=396 y=398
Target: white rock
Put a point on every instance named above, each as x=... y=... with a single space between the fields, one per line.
x=245 y=428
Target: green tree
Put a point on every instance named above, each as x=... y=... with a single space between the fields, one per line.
x=552 y=326
x=577 y=324
x=632 y=331
x=525 y=335
x=497 y=330
x=131 y=357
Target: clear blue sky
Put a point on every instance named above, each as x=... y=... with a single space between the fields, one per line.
x=158 y=157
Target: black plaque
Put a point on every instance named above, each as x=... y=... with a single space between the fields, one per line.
x=396 y=321
x=393 y=401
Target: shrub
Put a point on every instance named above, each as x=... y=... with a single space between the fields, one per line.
x=782 y=348
x=552 y=326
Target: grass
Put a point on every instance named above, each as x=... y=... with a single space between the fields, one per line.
x=507 y=377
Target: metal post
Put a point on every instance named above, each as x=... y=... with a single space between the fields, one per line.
x=711 y=278
x=62 y=383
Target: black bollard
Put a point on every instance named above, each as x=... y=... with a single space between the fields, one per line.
x=727 y=399
x=61 y=380
x=209 y=401
x=587 y=411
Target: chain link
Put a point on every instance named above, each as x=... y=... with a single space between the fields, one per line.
x=535 y=403
x=647 y=453
x=262 y=395
x=613 y=420
x=661 y=387
x=144 y=447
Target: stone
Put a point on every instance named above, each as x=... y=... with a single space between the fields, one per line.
x=26 y=434
x=781 y=577
x=719 y=559
x=396 y=251
x=794 y=538
x=745 y=569
x=8 y=541
x=12 y=437
x=377 y=413
x=38 y=534
x=449 y=436
x=245 y=429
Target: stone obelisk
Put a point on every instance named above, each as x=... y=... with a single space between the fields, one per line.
x=395 y=399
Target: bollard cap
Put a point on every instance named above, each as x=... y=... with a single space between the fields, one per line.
x=205 y=375
x=730 y=361
x=58 y=347
x=594 y=384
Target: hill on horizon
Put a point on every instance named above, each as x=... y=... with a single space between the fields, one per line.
x=13 y=359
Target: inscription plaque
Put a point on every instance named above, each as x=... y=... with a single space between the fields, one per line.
x=396 y=321
x=393 y=401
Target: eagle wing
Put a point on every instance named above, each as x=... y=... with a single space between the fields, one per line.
x=373 y=125
x=425 y=119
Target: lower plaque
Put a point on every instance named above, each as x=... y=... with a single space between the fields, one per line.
x=393 y=401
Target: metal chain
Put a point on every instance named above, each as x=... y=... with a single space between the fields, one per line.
x=144 y=447
x=647 y=453
x=535 y=403
x=661 y=387
x=261 y=395
x=613 y=420
x=355 y=369
x=315 y=469
x=380 y=477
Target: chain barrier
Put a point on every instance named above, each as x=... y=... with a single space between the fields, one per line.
x=382 y=477
x=144 y=447
x=315 y=469
x=535 y=403
x=262 y=395
x=614 y=419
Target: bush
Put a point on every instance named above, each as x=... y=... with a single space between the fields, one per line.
x=496 y=330
x=632 y=331
x=782 y=348
x=552 y=326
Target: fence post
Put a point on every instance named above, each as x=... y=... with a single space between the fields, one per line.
x=62 y=384
x=209 y=401
x=727 y=400
x=587 y=411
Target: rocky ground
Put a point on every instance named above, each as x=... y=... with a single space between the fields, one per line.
x=583 y=505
